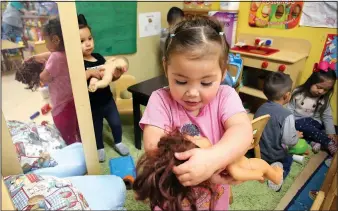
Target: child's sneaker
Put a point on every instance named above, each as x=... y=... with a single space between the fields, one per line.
x=122 y=149
x=328 y=162
x=332 y=147
x=313 y=194
x=315 y=146
x=273 y=186
x=102 y=155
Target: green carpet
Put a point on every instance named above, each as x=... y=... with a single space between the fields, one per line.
x=247 y=196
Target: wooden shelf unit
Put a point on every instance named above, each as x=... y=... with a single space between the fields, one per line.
x=292 y=54
x=252 y=91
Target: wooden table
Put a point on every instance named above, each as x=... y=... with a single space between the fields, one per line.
x=141 y=93
x=8 y=45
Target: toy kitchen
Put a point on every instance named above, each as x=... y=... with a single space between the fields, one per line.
x=262 y=54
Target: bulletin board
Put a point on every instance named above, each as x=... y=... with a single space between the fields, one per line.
x=275 y=14
x=113 y=25
x=329 y=53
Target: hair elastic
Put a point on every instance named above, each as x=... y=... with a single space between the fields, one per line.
x=221 y=33
x=172 y=35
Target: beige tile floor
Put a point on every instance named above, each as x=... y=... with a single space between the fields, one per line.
x=19 y=103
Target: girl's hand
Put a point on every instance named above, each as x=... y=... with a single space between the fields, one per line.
x=119 y=71
x=200 y=166
x=333 y=137
x=300 y=134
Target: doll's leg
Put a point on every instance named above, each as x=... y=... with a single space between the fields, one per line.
x=275 y=174
x=104 y=82
x=93 y=80
x=242 y=174
x=242 y=171
x=92 y=84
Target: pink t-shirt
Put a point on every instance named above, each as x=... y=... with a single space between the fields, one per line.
x=164 y=112
x=60 y=89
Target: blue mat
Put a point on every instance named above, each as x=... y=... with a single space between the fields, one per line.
x=302 y=200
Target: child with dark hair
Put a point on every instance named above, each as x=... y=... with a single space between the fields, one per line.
x=102 y=103
x=174 y=15
x=56 y=76
x=280 y=133
x=310 y=103
x=195 y=61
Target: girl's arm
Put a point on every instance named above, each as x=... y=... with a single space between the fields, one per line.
x=45 y=77
x=291 y=106
x=151 y=137
x=328 y=121
x=235 y=141
x=41 y=58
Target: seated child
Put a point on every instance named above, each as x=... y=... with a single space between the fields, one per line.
x=156 y=181
x=280 y=132
x=310 y=104
x=174 y=15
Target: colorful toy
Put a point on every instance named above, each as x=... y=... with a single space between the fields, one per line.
x=300 y=148
x=36 y=114
x=123 y=167
x=236 y=61
x=45 y=109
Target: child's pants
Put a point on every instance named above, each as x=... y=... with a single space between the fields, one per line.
x=67 y=124
x=287 y=162
x=110 y=113
x=313 y=131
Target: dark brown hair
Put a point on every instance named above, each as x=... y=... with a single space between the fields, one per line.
x=29 y=74
x=197 y=33
x=276 y=85
x=156 y=181
x=82 y=22
x=53 y=28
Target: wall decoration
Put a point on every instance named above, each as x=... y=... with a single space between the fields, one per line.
x=275 y=14
x=319 y=14
x=329 y=53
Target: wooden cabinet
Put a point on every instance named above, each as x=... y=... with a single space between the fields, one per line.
x=290 y=59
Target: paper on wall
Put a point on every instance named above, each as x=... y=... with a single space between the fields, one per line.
x=319 y=14
x=149 y=24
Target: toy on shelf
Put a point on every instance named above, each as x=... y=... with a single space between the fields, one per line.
x=123 y=167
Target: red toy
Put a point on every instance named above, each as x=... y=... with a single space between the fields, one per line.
x=45 y=109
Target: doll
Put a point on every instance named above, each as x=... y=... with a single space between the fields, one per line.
x=155 y=182
x=245 y=169
x=29 y=74
x=110 y=67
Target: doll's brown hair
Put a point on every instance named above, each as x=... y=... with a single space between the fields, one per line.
x=156 y=181
x=29 y=74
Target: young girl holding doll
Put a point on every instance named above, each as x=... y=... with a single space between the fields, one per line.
x=195 y=62
x=56 y=75
x=310 y=104
x=101 y=100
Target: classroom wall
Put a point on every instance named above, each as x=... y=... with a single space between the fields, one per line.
x=316 y=36
x=145 y=63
